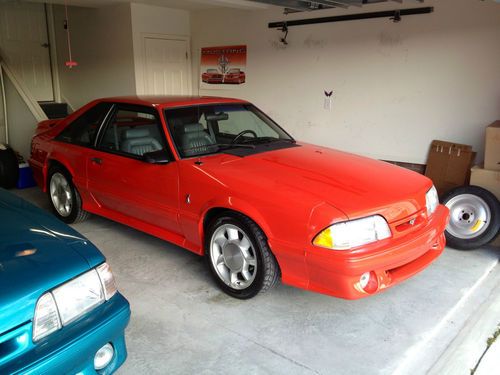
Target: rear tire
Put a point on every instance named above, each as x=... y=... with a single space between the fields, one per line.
x=474 y=217
x=9 y=168
x=64 y=199
x=239 y=257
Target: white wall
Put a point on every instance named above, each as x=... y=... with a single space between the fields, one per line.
x=147 y=19
x=2 y=118
x=396 y=86
x=101 y=40
x=22 y=123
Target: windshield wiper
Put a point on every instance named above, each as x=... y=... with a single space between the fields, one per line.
x=227 y=146
x=269 y=140
x=215 y=147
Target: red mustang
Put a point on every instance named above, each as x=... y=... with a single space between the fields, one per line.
x=234 y=75
x=212 y=76
x=220 y=178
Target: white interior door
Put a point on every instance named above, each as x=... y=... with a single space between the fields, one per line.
x=166 y=66
x=24 y=46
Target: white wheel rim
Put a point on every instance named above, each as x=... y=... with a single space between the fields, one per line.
x=233 y=256
x=61 y=195
x=469 y=216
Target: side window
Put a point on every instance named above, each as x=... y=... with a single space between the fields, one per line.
x=83 y=130
x=133 y=132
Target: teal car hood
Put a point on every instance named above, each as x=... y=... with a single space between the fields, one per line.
x=37 y=253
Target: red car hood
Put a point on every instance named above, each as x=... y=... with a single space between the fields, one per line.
x=355 y=185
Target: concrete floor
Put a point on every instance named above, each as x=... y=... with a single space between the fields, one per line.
x=182 y=324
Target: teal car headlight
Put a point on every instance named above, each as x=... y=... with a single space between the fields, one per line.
x=71 y=300
x=46 y=317
x=78 y=296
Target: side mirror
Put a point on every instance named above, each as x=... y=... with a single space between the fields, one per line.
x=156 y=157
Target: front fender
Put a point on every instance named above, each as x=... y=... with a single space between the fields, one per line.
x=235 y=204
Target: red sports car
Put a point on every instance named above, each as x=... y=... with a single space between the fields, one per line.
x=220 y=178
x=234 y=76
x=212 y=76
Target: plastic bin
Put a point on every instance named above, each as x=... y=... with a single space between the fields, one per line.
x=25 y=177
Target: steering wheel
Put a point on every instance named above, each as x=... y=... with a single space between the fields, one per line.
x=241 y=134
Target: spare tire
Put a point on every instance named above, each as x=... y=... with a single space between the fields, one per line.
x=9 y=167
x=474 y=217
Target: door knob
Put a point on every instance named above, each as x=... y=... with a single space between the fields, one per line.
x=45 y=45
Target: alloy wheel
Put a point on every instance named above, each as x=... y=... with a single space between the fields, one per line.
x=61 y=194
x=233 y=256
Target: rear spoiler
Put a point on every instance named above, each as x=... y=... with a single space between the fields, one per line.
x=45 y=125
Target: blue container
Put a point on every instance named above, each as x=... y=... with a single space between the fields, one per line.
x=25 y=177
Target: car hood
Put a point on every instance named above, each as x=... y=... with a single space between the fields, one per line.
x=356 y=185
x=37 y=253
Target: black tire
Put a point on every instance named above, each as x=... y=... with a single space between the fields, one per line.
x=267 y=272
x=9 y=168
x=77 y=214
x=474 y=198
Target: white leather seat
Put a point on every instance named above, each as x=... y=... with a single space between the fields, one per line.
x=195 y=140
x=139 y=141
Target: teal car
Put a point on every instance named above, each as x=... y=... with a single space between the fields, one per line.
x=60 y=311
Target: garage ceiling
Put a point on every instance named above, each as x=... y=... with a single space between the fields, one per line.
x=178 y=4
x=308 y=5
x=289 y=5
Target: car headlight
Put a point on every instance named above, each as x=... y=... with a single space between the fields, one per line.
x=78 y=296
x=107 y=280
x=353 y=233
x=71 y=300
x=431 y=200
x=46 y=317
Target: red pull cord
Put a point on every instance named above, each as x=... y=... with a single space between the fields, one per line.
x=69 y=63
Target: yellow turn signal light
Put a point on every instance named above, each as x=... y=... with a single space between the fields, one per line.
x=324 y=239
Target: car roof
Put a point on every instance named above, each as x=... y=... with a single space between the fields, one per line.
x=164 y=101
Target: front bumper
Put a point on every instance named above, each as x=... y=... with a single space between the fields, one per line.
x=70 y=350
x=337 y=273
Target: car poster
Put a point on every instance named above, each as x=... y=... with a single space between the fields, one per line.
x=223 y=67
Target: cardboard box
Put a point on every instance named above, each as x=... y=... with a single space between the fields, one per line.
x=492 y=148
x=487 y=179
x=448 y=165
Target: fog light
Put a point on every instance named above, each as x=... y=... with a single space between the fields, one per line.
x=368 y=282
x=103 y=356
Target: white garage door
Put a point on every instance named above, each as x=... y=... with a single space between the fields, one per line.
x=24 y=45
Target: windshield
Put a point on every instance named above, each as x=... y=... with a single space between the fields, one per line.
x=209 y=129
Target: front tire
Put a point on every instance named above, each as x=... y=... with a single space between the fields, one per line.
x=63 y=196
x=239 y=256
x=474 y=217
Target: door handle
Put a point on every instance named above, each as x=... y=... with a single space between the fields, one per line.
x=96 y=160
